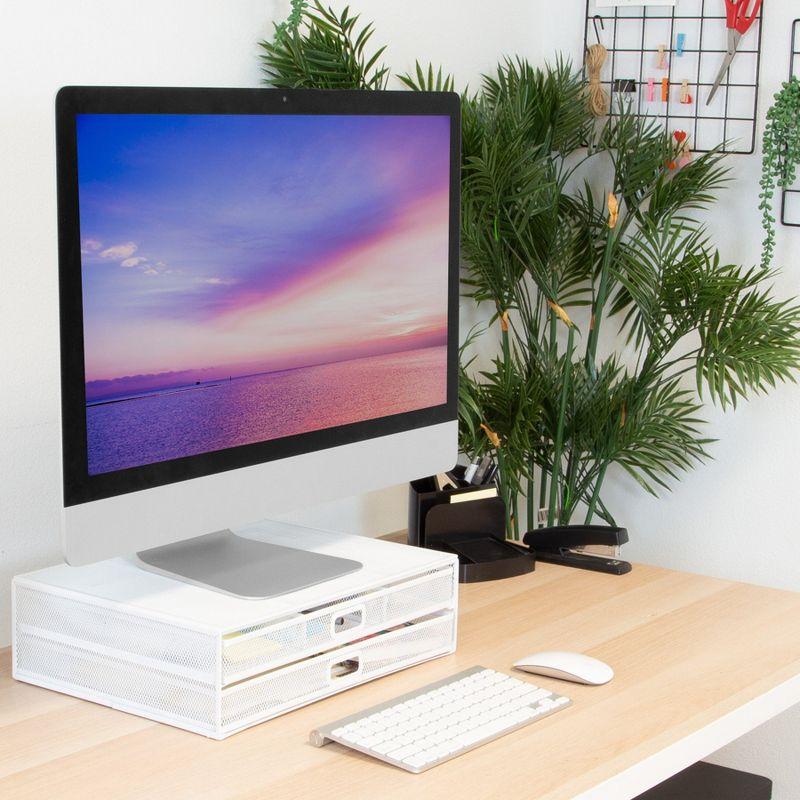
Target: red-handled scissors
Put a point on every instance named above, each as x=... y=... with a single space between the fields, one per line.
x=738 y=21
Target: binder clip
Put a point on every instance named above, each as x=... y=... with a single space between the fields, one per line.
x=684 y=154
x=626 y=85
x=680 y=43
x=625 y=89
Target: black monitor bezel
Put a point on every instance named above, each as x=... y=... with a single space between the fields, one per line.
x=78 y=485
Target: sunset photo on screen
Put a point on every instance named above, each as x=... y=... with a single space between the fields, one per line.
x=251 y=277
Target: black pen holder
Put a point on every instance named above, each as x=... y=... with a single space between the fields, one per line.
x=473 y=528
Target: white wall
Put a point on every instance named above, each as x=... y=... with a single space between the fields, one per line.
x=735 y=516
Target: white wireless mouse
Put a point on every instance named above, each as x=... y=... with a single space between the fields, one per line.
x=574 y=667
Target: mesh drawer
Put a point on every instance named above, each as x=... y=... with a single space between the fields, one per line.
x=334 y=625
x=187 y=650
x=117 y=681
x=268 y=695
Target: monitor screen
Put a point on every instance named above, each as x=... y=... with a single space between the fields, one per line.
x=251 y=277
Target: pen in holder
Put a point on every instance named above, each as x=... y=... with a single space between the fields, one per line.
x=468 y=520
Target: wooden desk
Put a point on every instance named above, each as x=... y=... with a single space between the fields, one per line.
x=699 y=662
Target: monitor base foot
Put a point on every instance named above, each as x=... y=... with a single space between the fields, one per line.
x=242 y=567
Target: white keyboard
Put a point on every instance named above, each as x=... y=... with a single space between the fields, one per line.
x=421 y=729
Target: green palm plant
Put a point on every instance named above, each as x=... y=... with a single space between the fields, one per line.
x=319 y=49
x=545 y=240
x=628 y=250
x=611 y=315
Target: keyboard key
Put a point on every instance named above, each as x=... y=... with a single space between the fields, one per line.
x=403 y=752
x=416 y=761
x=562 y=701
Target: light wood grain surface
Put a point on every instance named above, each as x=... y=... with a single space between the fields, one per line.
x=687 y=651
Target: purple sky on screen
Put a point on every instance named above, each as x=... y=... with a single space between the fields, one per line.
x=235 y=244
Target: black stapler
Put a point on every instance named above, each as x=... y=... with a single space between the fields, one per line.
x=557 y=546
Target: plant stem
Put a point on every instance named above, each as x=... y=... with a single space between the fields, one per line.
x=565 y=490
x=570 y=495
x=548 y=474
x=597 y=308
x=543 y=490
x=504 y=491
x=596 y=493
x=553 y=334
x=605 y=513
x=506 y=347
x=558 y=443
x=529 y=496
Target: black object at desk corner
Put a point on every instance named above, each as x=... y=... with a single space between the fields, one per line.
x=704 y=781
x=474 y=529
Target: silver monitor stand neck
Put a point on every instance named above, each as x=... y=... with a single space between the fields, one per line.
x=242 y=567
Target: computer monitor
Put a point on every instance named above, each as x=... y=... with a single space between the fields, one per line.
x=259 y=301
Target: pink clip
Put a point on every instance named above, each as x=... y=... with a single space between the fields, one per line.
x=684 y=154
x=651 y=90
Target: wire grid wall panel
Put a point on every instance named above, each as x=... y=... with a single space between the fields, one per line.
x=790 y=198
x=633 y=36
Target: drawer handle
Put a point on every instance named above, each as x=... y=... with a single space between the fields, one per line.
x=346 y=668
x=348 y=621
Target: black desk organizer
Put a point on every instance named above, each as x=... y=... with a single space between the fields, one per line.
x=473 y=529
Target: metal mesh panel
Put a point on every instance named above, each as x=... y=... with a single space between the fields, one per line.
x=408 y=602
x=128 y=633
x=79 y=671
x=317 y=631
x=419 y=640
x=309 y=680
x=288 y=687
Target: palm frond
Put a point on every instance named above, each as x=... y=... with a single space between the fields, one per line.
x=427 y=80
x=323 y=50
x=691 y=188
x=750 y=341
x=661 y=436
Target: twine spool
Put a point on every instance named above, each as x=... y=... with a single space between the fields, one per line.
x=597 y=97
